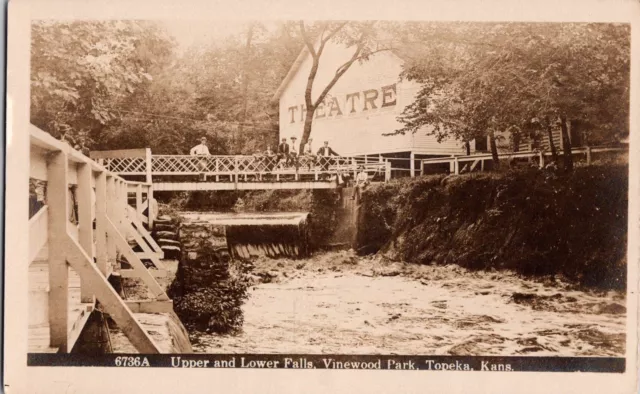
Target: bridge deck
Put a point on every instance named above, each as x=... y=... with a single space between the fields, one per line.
x=258 y=185
x=38 y=338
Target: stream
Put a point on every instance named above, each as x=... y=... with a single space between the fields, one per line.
x=339 y=303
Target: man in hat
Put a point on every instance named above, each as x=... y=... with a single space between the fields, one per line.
x=361 y=182
x=324 y=155
x=293 y=153
x=283 y=150
x=201 y=150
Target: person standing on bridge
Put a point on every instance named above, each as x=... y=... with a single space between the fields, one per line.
x=201 y=150
x=324 y=155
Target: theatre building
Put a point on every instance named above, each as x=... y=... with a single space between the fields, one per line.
x=363 y=106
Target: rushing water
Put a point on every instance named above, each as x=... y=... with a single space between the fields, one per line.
x=338 y=303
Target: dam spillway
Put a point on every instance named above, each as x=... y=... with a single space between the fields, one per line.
x=254 y=234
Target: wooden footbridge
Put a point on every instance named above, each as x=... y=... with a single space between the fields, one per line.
x=84 y=228
x=240 y=172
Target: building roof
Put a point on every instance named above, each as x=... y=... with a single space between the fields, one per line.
x=292 y=72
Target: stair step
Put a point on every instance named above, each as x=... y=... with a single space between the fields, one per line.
x=168 y=242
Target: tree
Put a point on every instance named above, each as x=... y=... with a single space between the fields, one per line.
x=81 y=72
x=359 y=36
x=481 y=78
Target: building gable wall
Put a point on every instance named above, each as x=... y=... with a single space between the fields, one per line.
x=361 y=107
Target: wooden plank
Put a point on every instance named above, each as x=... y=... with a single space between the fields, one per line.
x=130 y=273
x=102 y=258
x=139 y=207
x=85 y=220
x=152 y=245
x=109 y=299
x=134 y=231
x=150 y=213
x=150 y=306
x=111 y=243
x=72 y=173
x=58 y=216
x=148 y=165
x=38 y=232
x=117 y=154
x=155 y=289
x=38 y=163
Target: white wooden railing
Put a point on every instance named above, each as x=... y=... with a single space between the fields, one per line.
x=225 y=168
x=101 y=196
x=477 y=160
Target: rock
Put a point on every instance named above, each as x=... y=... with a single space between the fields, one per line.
x=613 y=308
x=167 y=235
x=521 y=298
x=164 y=227
x=171 y=252
x=168 y=242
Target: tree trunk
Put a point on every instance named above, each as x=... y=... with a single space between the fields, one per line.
x=554 y=153
x=467 y=147
x=306 y=131
x=245 y=84
x=566 y=145
x=494 y=150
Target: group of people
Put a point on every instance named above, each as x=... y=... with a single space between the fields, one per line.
x=287 y=153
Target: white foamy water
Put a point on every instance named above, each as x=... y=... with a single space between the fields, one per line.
x=336 y=303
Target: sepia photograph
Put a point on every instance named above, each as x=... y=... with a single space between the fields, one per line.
x=329 y=194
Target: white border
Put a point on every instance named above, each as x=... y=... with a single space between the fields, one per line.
x=94 y=380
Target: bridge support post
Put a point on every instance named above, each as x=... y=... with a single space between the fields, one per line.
x=85 y=220
x=148 y=164
x=139 y=207
x=387 y=171
x=412 y=164
x=101 y=223
x=152 y=214
x=111 y=242
x=58 y=216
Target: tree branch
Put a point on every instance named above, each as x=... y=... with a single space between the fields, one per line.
x=341 y=70
x=307 y=40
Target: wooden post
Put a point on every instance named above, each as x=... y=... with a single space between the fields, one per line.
x=85 y=221
x=456 y=165
x=588 y=155
x=58 y=215
x=452 y=164
x=148 y=165
x=387 y=171
x=217 y=160
x=412 y=165
x=101 y=223
x=481 y=164
x=152 y=216
x=111 y=243
x=139 y=207
x=235 y=170
x=541 y=164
